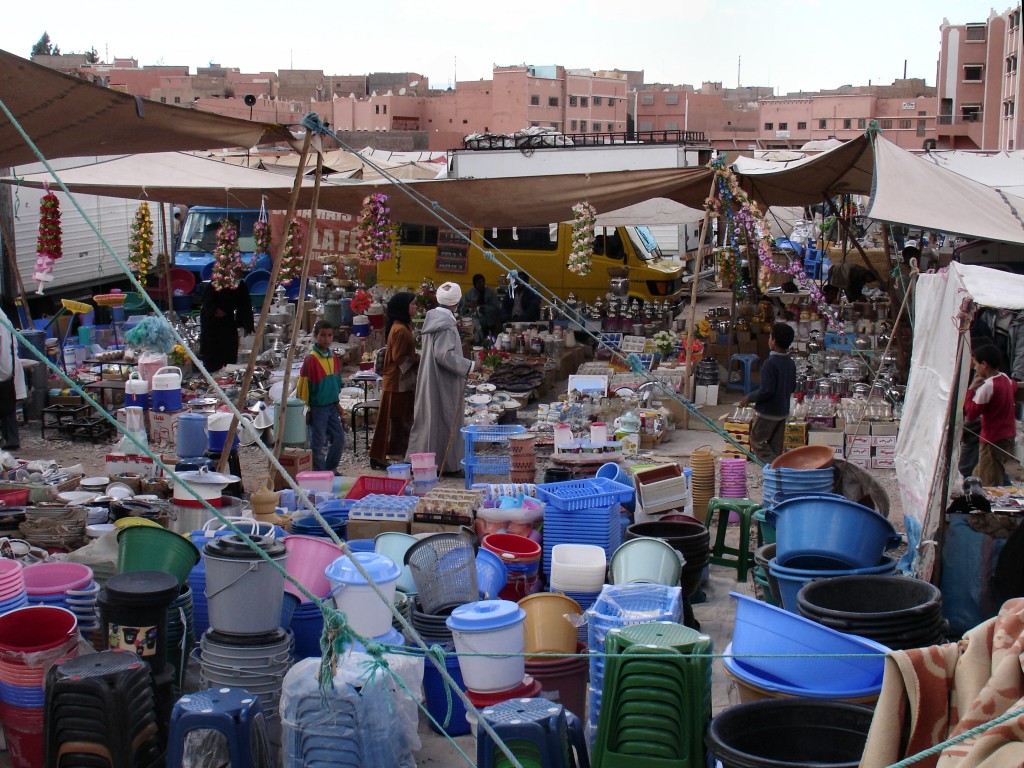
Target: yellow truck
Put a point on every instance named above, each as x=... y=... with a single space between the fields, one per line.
x=542 y=252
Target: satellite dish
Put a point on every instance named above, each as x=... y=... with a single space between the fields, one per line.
x=401 y=91
x=389 y=93
x=414 y=83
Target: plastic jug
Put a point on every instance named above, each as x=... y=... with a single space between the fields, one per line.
x=217 y=430
x=168 y=377
x=136 y=391
x=295 y=422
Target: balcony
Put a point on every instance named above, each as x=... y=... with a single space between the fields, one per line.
x=963 y=131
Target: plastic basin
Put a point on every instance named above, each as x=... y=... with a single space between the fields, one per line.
x=831 y=527
x=550 y=623
x=791 y=580
x=56 y=578
x=646 y=560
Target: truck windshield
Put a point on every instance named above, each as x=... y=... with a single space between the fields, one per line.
x=645 y=244
x=199 y=232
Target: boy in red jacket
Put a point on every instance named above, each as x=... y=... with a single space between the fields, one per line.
x=990 y=397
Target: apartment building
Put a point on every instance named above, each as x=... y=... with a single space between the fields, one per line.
x=979 y=89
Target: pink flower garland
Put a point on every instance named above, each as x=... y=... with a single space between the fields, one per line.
x=291 y=259
x=227 y=265
x=261 y=234
x=375 y=233
x=744 y=218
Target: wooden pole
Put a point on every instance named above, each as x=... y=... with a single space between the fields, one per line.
x=300 y=306
x=268 y=299
x=842 y=224
x=692 y=322
x=167 y=260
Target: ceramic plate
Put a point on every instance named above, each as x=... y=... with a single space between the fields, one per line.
x=76 y=497
x=95 y=482
x=480 y=399
x=501 y=397
x=119 y=491
x=511 y=405
x=485 y=388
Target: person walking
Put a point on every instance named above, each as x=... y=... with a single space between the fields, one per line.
x=990 y=398
x=12 y=386
x=319 y=387
x=398 y=385
x=222 y=314
x=771 y=398
x=441 y=384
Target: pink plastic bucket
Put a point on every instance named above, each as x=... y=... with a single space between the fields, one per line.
x=308 y=556
x=56 y=578
x=23 y=730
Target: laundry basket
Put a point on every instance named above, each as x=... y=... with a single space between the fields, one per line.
x=444 y=569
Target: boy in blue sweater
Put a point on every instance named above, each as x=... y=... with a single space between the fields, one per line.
x=772 y=396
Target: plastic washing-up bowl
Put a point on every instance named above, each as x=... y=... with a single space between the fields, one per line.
x=646 y=560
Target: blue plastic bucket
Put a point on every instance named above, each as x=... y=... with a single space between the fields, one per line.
x=191 y=439
x=790 y=580
x=307 y=625
x=437 y=699
x=612 y=471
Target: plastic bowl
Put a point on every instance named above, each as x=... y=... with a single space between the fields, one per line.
x=646 y=560
x=805 y=457
x=56 y=578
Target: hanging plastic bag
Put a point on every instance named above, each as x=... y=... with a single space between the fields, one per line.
x=135 y=425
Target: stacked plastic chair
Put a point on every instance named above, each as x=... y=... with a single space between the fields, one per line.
x=538 y=732
x=618 y=606
x=657 y=698
x=104 y=709
x=583 y=512
x=233 y=713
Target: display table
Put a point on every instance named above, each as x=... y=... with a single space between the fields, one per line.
x=105 y=391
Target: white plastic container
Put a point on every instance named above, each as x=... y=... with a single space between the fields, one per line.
x=367 y=613
x=577 y=567
x=424 y=474
x=168 y=377
x=317 y=482
x=492 y=627
x=422 y=460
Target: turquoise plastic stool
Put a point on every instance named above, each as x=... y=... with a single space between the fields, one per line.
x=545 y=733
x=233 y=712
x=746 y=362
x=738 y=557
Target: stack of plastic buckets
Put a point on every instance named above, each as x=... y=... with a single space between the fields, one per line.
x=577 y=571
x=64 y=585
x=32 y=639
x=308 y=556
x=550 y=627
x=245 y=646
x=424 y=473
x=12 y=586
x=521 y=557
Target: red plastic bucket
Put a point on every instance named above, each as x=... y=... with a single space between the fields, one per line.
x=23 y=730
x=563 y=680
x=33 y=629
x=512 y=548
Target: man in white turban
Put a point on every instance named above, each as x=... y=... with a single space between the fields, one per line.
x=441 y=384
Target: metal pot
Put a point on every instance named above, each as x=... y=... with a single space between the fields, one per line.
x=619 y=286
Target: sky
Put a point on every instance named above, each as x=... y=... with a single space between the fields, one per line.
x=789 y=45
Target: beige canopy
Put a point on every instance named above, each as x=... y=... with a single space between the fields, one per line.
x=68 y=117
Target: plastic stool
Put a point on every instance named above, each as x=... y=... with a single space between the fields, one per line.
x=812 y=263
x=738 y=557
x=233 y=712
x=541 y=730
x=747 y=362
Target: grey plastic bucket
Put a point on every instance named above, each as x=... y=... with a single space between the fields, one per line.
x=243 y=591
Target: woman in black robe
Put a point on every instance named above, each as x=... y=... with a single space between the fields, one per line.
x=222 y=314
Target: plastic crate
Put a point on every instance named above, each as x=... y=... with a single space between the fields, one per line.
x=367 y=484
x=584 y=494
x=488 y=433
x=485 y=465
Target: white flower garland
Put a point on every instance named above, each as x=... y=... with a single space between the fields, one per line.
x=584 y=217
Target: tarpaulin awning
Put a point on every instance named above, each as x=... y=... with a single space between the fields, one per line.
x=501 y=202
x=69 y=117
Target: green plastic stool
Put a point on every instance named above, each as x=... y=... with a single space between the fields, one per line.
x=739 y=557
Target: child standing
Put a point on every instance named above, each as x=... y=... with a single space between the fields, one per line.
x=319 y=387
x=771 y=398
x=990 y=397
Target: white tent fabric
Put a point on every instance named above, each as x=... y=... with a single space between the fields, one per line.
x=927 y=446
x=651 y=213
x=1002 y=170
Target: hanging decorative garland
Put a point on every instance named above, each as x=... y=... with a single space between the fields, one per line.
x=227 y=264
x=140 y=245
x=261 y=233
x=584 y=217
x=291 y=259
x=49 y=246
x=376 y=235
x=743 y=219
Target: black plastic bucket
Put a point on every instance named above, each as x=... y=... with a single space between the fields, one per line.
x=133 y=613
x=790 y=733
x=895 y=610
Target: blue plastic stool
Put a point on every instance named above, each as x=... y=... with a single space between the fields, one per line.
x=233 y=712
x=747 y=362
x=539 y=727
x=812 y=263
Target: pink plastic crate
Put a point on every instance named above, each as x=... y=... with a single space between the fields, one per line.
x=367 y=484
x=422 y=460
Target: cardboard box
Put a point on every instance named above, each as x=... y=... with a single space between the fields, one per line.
x=368 y=529
x=884 y=442
x=417 y=528
x=827 y=422
x=862 y=463
x=877 y=463
x=885 y=453
x=295 y=460
x=855 y=428
x=885 y=428
x=819 y=437
x=116 y=463
x=859 y=453
x=65 y=400
x=858 y=441
x=163 y=428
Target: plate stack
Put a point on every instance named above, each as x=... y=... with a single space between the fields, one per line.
x=12 y=586
x=702 y=482
x=732 y=475
x=54 y=526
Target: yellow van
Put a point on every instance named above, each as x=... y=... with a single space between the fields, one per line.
x=542 y=252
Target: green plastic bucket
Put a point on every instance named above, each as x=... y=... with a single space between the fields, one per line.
x=766 y=528
x=148 y=548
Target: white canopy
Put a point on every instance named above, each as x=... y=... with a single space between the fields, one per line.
x=1002 y=170
x=927 y=446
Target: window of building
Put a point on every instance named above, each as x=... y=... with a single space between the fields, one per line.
x=584 y=101
x=976 y=33
x=647 y=99
x=822 y=124
x=573 y=101
x=535 y=100
x=553 y=125
x=862 y=122
x=847 y=124
x=672 y=125
x=783 y=126
x=163 y=99
x=177 y=99
x=1011 y=64
x=583 y=125
x=769 y=126
x=970 y=113
x=386 y=110
x=376 y=109
x=597 y=101
x=973 y=73
x=1008 y=108
x=905 y=125
x=921 y=127
x=801 y=126
x=611 y=102
x=671 y=98
x=885 y=125
x=552 y=101
x=573 y=125
x=597 y=127
x=645 y=125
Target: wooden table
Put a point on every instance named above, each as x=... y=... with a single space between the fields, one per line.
x=105 y=390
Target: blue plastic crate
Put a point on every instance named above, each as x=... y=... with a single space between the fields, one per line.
x=584 y=494
x=485 y=465
x=610 y=340
x=488 y=433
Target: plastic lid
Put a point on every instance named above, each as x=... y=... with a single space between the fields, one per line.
x=485 y=615
x=153 y=587
x=232 y=545
x=381 y=568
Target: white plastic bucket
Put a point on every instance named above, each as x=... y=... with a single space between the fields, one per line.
x=367 y=613
x=489 y=674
